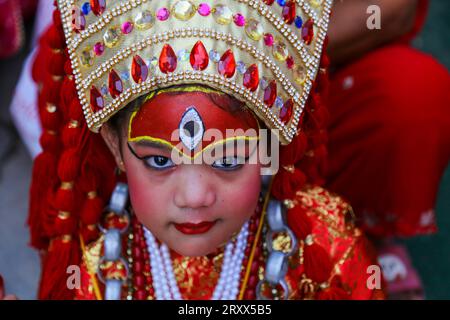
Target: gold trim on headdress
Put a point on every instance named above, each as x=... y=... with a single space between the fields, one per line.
x=265 y=53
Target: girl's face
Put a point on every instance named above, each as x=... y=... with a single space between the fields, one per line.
x=193 y=208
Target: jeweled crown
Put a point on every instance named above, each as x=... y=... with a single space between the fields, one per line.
x=265 y=53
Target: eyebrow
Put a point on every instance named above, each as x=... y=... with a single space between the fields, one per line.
x=152 y=144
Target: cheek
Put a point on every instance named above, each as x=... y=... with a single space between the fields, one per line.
x=242 y=196
x=147 y=197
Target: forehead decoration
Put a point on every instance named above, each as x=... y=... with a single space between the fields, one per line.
x=264 y=53
x=190 y=121
x=191 y=128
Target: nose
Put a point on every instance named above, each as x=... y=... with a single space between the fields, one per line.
x=194 y=188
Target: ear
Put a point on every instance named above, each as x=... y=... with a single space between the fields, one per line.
x=113 y=142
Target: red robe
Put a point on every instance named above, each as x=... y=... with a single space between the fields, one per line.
x=349 y=276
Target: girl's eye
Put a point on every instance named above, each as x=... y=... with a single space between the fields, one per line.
x=158 y=162
x=228 y=163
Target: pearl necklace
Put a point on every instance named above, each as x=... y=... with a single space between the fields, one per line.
x=164 y=281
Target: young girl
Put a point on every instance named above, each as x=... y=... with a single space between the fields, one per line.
x=163 y=198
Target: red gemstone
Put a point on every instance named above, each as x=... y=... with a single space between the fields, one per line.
x=289 y=12
x=97 y=101
x=250 y=295
x=269 y=2
x=138 y=267
x=227 y=64
x=115 y=84
x=199 y=57
x=139 y=70
x=78 y=20
x=290 y=62
x=308 y=31
x=253 y=281
x=167 y=59
x=286 y=110
x=137 y=253
x=251 y=78
x=98 y=6
x=270 y=93
x=140 y=294
x=139 y=281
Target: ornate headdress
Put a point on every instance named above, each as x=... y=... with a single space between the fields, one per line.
x=101 y=54
x=265 y=53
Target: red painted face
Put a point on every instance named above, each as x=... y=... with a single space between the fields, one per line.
x=190 y=122
x=193 y=208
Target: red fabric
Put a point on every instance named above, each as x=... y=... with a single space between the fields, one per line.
x=12 y=13
x=390 y=138
x=11 y=34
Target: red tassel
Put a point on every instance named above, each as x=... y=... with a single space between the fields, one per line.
x=294 y=151
x=92 y=210
x=65 y=200
x=299 y=222
x=71 y=137
x=69 y=165
x=55 y=38
x=56 y=67
x=317 y=263
x=50 y=143
x=286 y=184
x=43 y=179
x=66 y=225
x=54 y=272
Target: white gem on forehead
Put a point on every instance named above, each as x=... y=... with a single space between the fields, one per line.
x=191 y=128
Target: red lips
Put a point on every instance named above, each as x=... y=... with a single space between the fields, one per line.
x=195 y=228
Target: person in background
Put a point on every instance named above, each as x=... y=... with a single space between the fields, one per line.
x=389 y=128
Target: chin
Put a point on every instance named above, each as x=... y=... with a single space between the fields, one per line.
x=194 y=248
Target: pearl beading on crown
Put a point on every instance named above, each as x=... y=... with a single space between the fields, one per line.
x=265 y=53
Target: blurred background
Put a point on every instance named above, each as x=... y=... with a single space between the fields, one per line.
x=19 y=264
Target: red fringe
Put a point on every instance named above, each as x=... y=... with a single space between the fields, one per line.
x=317 y=262
x=332 y=293
x=53 y=283
x=299 y=222
x=286 y=184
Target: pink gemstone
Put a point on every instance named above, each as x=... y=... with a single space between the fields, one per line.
x=78 y=20
x=268 y=39
x=204 y=9
x=290 y=62
x=127 y=27
x=239 y=20
x=162 y=14
x=99 y=48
